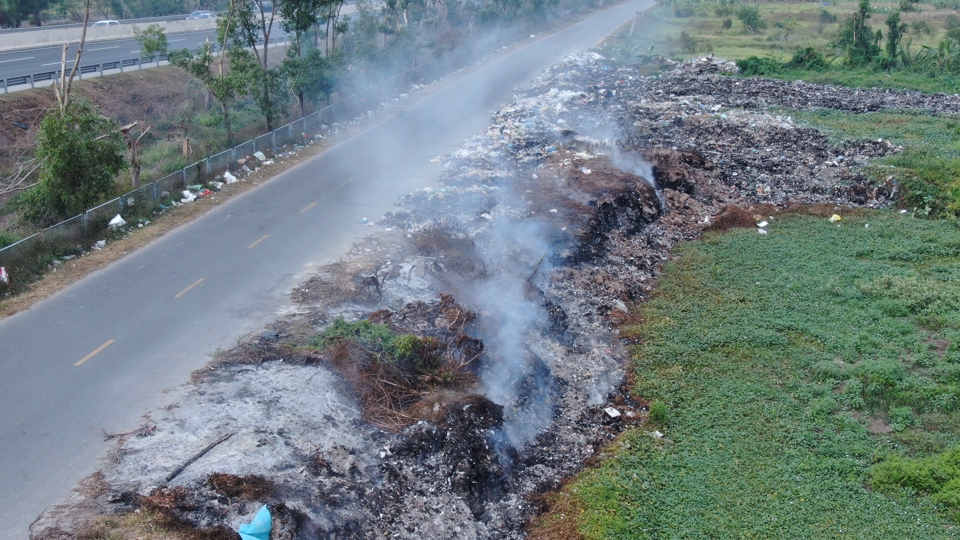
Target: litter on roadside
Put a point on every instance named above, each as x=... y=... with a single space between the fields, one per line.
x=117 y=222
x=260 y=156
x=4 y=277
x=835 y=218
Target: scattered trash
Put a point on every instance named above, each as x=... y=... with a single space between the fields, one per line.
x=835 y=218
x=656 y=434
x=100 y=244
x=762 y=224
x=903 y=211
x=260 y=156
x=188 y=196
x=229 y=178
x=612 y=413
x=268 y=162
x=217 y=186
x=763 y=231
x=4 y=277
x=21 y=126
x=116 y=222
x=259 y=528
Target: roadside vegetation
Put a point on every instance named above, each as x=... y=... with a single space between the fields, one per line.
x=805 y=384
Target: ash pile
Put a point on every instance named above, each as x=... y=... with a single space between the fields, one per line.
x=508 y=282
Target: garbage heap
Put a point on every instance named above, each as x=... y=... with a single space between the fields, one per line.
x=523 y=260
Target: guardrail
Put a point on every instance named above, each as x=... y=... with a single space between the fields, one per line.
x=31 y=255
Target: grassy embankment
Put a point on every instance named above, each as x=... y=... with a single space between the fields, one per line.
x=795 y=378
x=806 y=382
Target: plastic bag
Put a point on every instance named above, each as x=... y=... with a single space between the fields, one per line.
x=259 y=528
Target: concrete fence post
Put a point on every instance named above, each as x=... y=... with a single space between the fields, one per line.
x=33 y=83
x=273 y=139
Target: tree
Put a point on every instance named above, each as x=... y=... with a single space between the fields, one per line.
x=62 y=89
x=152 y=41
x=222 y=83
x=133 y=146
x=311 y=77
x=251 y=31
x=751 y=19
x=895 y=31
x=857 y=38
x=18 y=11
x=81 y=152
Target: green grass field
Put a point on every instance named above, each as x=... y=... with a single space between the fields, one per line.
x=785 y=368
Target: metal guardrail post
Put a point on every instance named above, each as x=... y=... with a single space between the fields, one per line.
x=273 y=139
x=32 y=82
x=155 y=190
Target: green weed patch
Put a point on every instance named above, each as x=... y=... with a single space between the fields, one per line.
x=808 y=375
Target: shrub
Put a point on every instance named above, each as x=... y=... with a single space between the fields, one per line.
x=659 y=414
x=808 y=58
x=688 y=43
x=755 y=65
x=826 y=17
x=7 y=238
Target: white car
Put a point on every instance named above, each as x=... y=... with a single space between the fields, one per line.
x=106 y=23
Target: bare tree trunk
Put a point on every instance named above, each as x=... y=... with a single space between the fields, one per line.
x=63 y=93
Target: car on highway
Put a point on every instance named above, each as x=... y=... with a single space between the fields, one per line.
x=199 y=15
x=106 y=23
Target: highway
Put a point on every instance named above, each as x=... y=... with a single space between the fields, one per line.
x=48 y=58
x=119 y=343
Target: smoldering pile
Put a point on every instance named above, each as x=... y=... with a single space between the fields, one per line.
x=540 y=235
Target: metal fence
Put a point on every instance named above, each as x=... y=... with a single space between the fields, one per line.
x=31 y=255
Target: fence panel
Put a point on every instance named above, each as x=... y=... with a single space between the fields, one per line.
x=244 y=149
x=97 y=218
x=19 y=256
x=311 y=123
x=220 y=162
x=140 y=202
x=282 y=136
x=264 y=143
x=193 y=174
x=169 y=187
x=297 y=129
x=65 y=237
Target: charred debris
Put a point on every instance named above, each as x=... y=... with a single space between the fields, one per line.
x=465 y=359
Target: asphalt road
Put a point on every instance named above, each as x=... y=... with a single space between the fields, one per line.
x=46 y=59
x=118 y=344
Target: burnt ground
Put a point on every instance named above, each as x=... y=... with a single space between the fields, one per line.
x=519 y=265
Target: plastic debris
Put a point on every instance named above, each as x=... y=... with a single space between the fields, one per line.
x=260 y=156
x=835 y=218
x=259 y=528
x=188 y=196
x=763 y=231
x=762 y=224
x=117 y=222
x=612 y=413
x=4 y=277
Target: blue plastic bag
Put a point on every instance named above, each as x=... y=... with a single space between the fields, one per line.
x=259 y=528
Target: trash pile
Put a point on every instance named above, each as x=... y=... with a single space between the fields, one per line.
x=545 y=229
